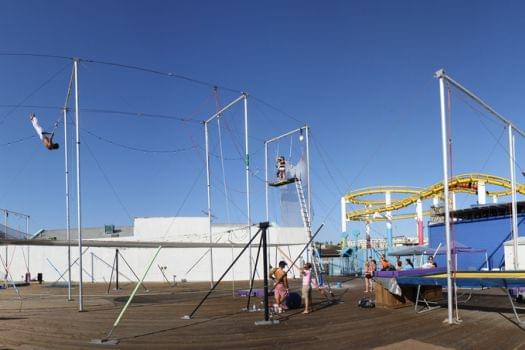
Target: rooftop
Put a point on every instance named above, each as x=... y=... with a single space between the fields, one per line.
x=87 y=233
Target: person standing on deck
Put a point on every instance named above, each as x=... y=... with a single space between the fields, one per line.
x=280 y=289
x=306 y=271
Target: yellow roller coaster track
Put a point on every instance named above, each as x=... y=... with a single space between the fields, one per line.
x=464 y=183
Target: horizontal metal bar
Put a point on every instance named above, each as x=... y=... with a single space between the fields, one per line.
x=225 y=108
x=286 y=134
x=15 y=213
x=441 y=74
x=128 y=244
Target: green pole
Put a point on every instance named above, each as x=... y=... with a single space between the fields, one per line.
x=133 y=293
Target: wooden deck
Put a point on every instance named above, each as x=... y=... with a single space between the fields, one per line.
x=47 y=320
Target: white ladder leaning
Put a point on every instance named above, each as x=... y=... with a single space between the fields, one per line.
x=305 y=215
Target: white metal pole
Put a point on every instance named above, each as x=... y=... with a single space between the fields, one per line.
x=307 y=139
x=6 y=214
x=79 y=208
x=27 y=237
x=208 y=186
x=388 y=217
x=266 y=195
x=247 y=167
x=343 y=214
x=68 y=225
x=309 y=190
x=267 y=199
x=513 y=198
x=444 y=143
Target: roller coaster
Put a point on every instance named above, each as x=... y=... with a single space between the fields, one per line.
x=464 y=183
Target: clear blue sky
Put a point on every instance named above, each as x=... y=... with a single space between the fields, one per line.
x=360 y=73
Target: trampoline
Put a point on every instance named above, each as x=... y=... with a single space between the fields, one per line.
x=473 y=279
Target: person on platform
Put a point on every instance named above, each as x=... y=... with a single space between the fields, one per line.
x=385 y=264
x=409 y=265
x=281 y=168
x=430 y=264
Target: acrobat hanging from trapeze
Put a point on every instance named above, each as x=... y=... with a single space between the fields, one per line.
x=281 y=168
x=45 y=137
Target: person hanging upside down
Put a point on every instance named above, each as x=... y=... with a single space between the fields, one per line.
x=45 y=137
x=281 y=168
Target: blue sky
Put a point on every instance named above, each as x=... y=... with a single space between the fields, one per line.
x=360 y=73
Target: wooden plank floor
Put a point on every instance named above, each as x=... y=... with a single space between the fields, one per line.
x=47 y=320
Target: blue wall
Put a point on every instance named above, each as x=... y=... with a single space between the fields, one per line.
x=489 y=234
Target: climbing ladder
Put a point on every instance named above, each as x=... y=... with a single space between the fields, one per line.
x=316 y=258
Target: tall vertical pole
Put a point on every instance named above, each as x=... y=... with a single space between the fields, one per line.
x=27 y=237
x=343 y=214
x=68 y=224
x=6 y=214
x=116 y=269
x=513 y=198
x=79 y=208
x=247 y=173
x=266 y=192
x=264 y=232
x=388 y=201
x=92 y=268
x=419 y=222
x=208 y=186
x=309 y=190
x=266 y=195
x=445 y=189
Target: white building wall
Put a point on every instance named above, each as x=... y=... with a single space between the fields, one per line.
x=51 y=261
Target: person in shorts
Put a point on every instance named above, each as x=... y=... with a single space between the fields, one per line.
x=280 y=288
x=306 y=292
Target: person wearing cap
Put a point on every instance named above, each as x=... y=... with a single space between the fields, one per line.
x=280 y=279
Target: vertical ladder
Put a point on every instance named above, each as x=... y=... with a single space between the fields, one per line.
x=316 y=263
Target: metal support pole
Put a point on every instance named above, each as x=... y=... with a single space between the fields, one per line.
x=188 y=317
x=68 y=225
x=27 y=237
x=6 y=214
x=266 y=194
x=247 y=173
x=116 y=269
x=66 y=173
x=266 y=191
x=309 y=190
x=264 y=227
x=208 y=186
x=513 y=198
x=388 y=217
x=444 y=143
x=79 y=209
x=117 y=321
x=134 y=274
x=92 y=268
